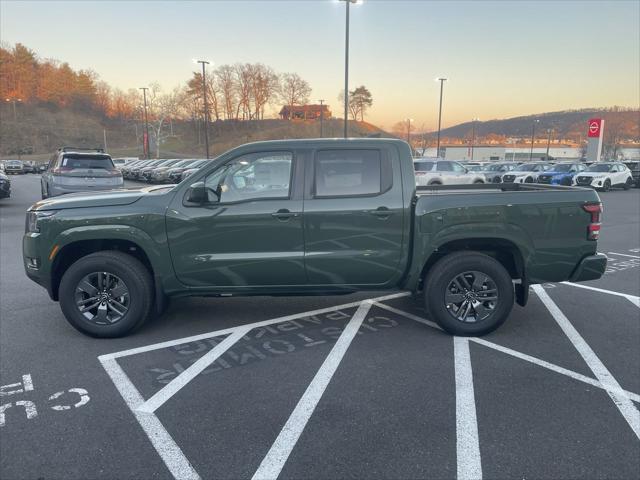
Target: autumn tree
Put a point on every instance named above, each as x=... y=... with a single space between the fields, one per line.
x=294 y=90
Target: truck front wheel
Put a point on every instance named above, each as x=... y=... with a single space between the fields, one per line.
x=106 y=294
x=468 y=293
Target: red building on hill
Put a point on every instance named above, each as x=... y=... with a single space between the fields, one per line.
x=304 y=112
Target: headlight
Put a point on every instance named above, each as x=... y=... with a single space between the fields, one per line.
x=33 y=219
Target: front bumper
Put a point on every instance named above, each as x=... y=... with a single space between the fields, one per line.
x=590 y=268
x=56 y=190
x=35 y=266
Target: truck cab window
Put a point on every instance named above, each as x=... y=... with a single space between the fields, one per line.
x=341 y=173
x=254 y=176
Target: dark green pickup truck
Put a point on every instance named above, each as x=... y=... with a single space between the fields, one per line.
x=310 y=217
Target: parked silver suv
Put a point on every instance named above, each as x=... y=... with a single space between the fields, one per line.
x=73 y=169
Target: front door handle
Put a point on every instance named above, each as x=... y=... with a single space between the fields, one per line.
x=381 y=212
x=283 y=214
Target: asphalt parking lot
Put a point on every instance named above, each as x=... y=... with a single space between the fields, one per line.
x=359 y=386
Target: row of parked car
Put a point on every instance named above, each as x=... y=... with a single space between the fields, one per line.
x=600 y=175
x=172 y=170
x=19 y=167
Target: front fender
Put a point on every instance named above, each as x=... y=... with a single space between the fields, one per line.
x=156 y=252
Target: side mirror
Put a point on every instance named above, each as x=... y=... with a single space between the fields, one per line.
x=466 y=170
x=197 y=193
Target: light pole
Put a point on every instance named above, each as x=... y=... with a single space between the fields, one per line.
x=441 y=80
x=206 y=106
x=549 y=130
x=321 y=117
x=473 y=135
x=346 y=67
x=409 y=120
x=14 y=100
x=533 y=134
x=146 y=123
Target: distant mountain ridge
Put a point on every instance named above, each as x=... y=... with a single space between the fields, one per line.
x=621 y=122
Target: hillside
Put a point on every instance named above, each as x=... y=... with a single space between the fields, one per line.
x=572 y=124
x=36 y=131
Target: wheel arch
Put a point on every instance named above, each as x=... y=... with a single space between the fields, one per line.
x=75 y=243
x=504 y=250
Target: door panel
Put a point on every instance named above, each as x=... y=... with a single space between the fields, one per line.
x=239 y=241
x=353 y=240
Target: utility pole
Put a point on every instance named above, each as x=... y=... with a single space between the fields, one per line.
x=104 y=133
x=321 y=117
x=533 y=134
x=441 y=80
x=409 y=131
x=146 y=124
x=206 y=106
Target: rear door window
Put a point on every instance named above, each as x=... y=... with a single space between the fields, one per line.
x=86 y=162
x=346 y=173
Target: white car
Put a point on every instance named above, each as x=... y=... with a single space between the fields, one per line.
x=444 y=172
x=526 y=173
x=605 y=175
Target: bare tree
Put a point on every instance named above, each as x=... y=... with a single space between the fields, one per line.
x=226 y=83
x=294 y=90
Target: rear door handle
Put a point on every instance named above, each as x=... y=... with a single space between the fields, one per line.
x=283 y=214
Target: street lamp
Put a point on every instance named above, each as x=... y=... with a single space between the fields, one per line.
x=473 y=135
x=146 y=123
x=549 y=131
x=441 y=80
x=409 y=120
x=14 y=100
x=346 y=66
x=206 y=106
x=533 y=134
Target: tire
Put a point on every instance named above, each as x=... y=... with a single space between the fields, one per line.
x=607 y=185
x=448 y=270
x=478 y=182
x=528 y=180
x=435 y=183
x=628 y=184
x=139 y=299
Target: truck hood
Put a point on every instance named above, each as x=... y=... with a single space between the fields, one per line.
x=106 y=198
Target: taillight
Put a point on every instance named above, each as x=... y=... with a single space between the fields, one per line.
x=59 y=170
x=593 y=230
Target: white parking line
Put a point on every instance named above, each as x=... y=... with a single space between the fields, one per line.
x=164 y=444
x=264 y=323
x=632 y=298
x=192 y=372
x=523 y=356
x=623 y=254
x=467 y=441
x=622 y=401
x=555 y=368
x=272 y=464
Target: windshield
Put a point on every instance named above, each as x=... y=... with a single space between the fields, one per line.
x=526 y=167
x=13 y=162
x=422 y=166
x=599 y=168
x=563 y=168
x=495 y=168
x=87 y=161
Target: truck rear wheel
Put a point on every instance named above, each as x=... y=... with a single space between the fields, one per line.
x=106 y=294
x=468 y=293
